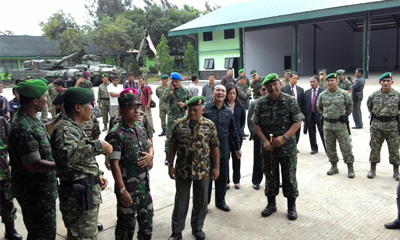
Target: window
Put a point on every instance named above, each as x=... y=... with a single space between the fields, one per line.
x=209 y=63
x=229 y=63
x=207 y=36
x=230 y=33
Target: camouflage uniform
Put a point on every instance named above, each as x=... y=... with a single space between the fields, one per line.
x=285 y=82
x=91 y=128
x=384 y=105
x=323 y=84
x=256 y=86
x=75 y=155
x=86 y=84
x=331 y=106
x=174 y=111
x=103 y=100
x=276 y=117
x=52 y=95
x=127 y=143
x=193 y=146
x=7 y=209
x=244 y=95
x=143 y=122
x=163 y=106
x=345 y=84
x=36 y=193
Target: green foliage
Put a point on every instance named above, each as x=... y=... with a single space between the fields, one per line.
x=6 y=74
x=98 y=8
x=163 y=59
x=190 y=60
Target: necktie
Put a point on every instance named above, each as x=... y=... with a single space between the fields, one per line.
x=293 y=93
x=314 y=98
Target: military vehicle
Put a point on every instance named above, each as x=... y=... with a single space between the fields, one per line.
x=42 y=68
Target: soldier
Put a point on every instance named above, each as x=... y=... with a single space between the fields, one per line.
x=343 y=82
x=194 y=139
x=242 y=73
x=84 y=83
x=163 y=105
x=256 y=84
x=357 y=97
x=384 y=105
x=144 y=71
x=7 y=209
x=322 y=77
x=244 y=91
x=277 y=129
x=131 y=160
x=286 y=74
x=175 y=95
x=32 y=165
x=335 y=105
x=103 y=100
x=53 y=93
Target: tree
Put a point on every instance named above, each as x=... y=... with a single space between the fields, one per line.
x=98 y=8
x=163 y=59
x=7 y=32
x=190 y=60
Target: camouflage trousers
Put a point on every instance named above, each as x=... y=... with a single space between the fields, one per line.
x=377 y=138
x=288 y=169
x=338 y=131
x=163 y=116
x=80 y=224
x=7 y=209
x=141 y=209
x=148 y=111
x=105 y=111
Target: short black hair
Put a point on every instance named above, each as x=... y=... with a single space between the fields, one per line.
x=360 y=70
x=68 y=107
x=14 y=90
x=316 y=78
x=115 y=77
x=59 y=82
x=212 y=74
x=293 y=73
x=194 y=77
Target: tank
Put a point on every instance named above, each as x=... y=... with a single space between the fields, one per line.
x=42 y=68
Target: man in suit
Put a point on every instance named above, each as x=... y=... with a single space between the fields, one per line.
x=310 y=111
x=297 y=92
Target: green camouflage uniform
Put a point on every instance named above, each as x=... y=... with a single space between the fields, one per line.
x=91 y=128
x=75 y=155
x=194 y=142
x=276 y=117
x=163 y=106
x=103 y=100
x=244 y=95
x=284 y=82
x=332 y=105
x=87 y=84
x=7 y=209
x=345 y=84
x=323 y=84
x=256 y=86
x=36 y=193
x=143 y=122
x=52 y=95
x=384 y=105
x=174 y=111
x=127 y=143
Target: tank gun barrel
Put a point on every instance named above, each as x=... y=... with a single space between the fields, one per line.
x=57 y=63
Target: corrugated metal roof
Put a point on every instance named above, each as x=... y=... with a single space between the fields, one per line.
x=264 y=12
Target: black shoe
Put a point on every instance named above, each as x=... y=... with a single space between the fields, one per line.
x=199 y=235
x=280 y=185
x=256 y=186
x=224 y=207
x=105 y=129
x=297 y=150
x=356 y=127
x=11 y=233
x=175 y=236
x=269 y=209
x=393 y=225
x=292 y=214
x=228 y=187
x=100 y=226
x=245 y=135
x=162 y=133
x=313 y=152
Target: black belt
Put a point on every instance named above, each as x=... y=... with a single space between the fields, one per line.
x=386 y=118
x=93 y=180
x=331 y=120
x=104 y=98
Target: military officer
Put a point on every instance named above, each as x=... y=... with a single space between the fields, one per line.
x=286 y=75
x=194 y=139
x=131 y=160
x=175 y=95
x=256 y=84
x=322 y=77
x=335 y=105
x=277 y=117
x=343 y=82
x=33 y=168
x=81 y=180
x=53 y=93
x=163 y=105
x=84 y=83
x=44 y=115
x=103 y=100
x=357 y=97
x=384 y=106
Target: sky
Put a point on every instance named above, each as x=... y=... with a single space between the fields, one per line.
x=22 y=17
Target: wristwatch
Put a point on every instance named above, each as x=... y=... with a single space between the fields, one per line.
x=122 y=190
x=286 y=139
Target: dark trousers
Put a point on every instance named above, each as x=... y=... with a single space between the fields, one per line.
x=357 y=117
x=182 y=197
x=220 y=183
x=312 y=132
x=257 y=161
x=235 y=164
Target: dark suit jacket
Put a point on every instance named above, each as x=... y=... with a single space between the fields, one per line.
x=308 y=102
x=300 y=94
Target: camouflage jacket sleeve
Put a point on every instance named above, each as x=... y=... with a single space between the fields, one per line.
x=147 y=126
x=349 y=103
x=319 y=103
x=370 y=102
x=114 y=139
x=166 y=96
x=29 y=146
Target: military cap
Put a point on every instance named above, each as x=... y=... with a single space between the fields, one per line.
x=196 y=101
x=289 y=71
x=322 y=70
x=105 y=75
x=331 y=75
x=77 y=95
x=129 y=91
x=385 y=75
x=165 y=76
x=128 y=100
x=254 y=72
x=32 y=89
x=44 y=80
x=241 y=70
x=272 y=77
x=176 y=76
x=340 y=72
x=56 y=75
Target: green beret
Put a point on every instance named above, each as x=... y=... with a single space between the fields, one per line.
x=165 y=76
x=340 y=72
x=77 y=95
x=385 y=75
x=56 y=75
x=331 y=75
x=128 y=100
x=241 y=70
x=105 y=75
x=32 y=89
x=196 y=101
x=44 y=80
x=322 y=70
x=254 y=72
x=272 y=77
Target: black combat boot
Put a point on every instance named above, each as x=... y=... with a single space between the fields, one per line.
x=270 y=208
x=291 y=213
x=11 y=233
x=350 y=168
x=372 y=172
x=105 y=128
x=396 y=172
x=100 y=227
x=333 y=169
x=396 y=223
x=162 y=133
